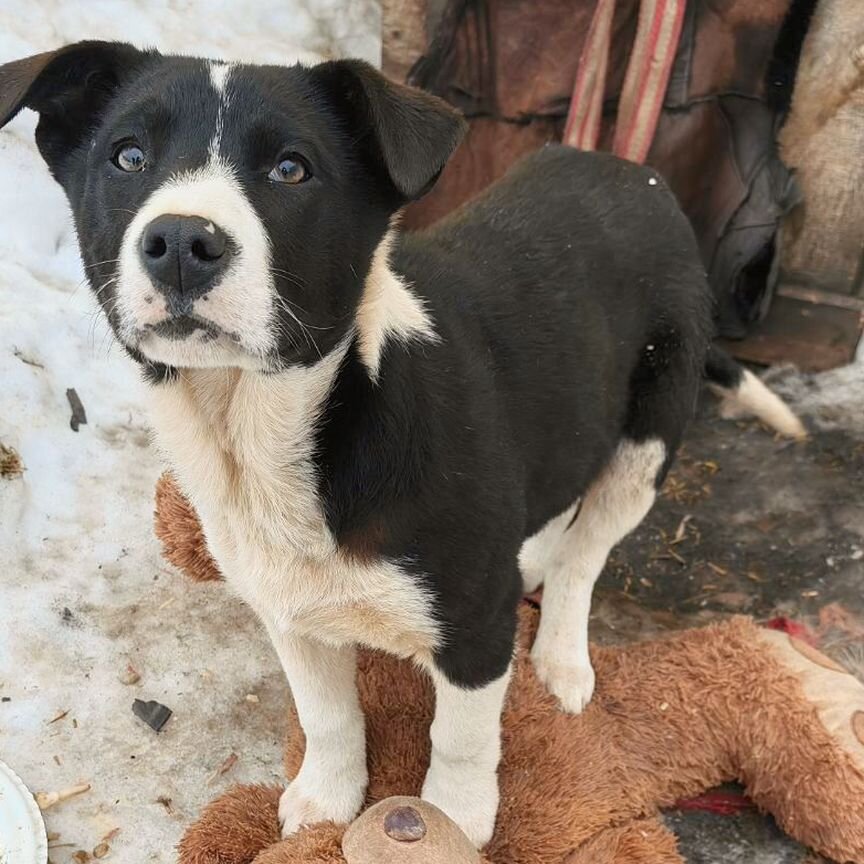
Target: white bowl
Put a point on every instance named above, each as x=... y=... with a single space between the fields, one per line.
x=22 y=832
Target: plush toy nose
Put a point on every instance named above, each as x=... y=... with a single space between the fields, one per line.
x=185 y=256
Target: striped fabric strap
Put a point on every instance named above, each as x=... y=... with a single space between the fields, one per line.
x=582 y=129
x=651 y=61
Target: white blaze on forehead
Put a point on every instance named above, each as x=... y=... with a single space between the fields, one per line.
x=242 y=301
x=219 y=74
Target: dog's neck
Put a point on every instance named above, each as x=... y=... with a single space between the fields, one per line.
x=249 y=438
x=242 y=444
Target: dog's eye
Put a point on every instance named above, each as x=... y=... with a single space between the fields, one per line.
x=130 y=158
x=292 y=169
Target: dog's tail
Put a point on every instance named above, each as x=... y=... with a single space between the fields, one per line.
x=744 y=394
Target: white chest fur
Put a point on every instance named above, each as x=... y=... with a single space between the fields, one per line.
x=241 y=445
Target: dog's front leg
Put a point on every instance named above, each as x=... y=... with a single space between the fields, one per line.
x=331 y=783
x=466 y=747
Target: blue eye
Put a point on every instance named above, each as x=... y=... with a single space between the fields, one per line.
x=292 y=169
x=130 y=158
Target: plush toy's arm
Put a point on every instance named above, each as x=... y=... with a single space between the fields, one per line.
x=234 y=828
x=643 y=841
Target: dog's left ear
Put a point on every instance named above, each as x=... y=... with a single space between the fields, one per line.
x=69 y=88
x=408 y=133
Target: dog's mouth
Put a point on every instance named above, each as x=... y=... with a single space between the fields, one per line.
x=190 y=340
x=181 y=327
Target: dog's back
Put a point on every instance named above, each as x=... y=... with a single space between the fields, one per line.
x=573 y=283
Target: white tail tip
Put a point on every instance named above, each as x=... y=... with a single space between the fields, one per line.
x=753 y=398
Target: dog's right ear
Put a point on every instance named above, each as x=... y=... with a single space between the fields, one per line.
x=69 y=88
x=408 y=133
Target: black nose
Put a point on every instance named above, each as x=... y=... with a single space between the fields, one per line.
x=184 y=255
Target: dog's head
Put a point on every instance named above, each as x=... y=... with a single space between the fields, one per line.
x=228 y=214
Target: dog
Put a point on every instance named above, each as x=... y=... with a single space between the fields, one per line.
x=389 y=437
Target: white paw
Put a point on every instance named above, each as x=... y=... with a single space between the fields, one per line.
x=299 y=807
x=468 y=796
x=572 y=683
x=296 y=810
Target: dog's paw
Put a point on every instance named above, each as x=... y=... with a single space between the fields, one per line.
x=299 y=807
x=469 y=799
x=296 y=810
x=572 y=683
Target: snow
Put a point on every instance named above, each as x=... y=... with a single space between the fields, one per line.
x=831 y=400
x=83 y=590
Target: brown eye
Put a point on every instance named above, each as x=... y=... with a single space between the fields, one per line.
x=130 y=158
x=292 y=169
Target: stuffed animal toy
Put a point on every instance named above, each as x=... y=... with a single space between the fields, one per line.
x=669 y=719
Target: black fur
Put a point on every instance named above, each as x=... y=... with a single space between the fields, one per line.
x=573 y=312
x=722 y=370
x=570 y=302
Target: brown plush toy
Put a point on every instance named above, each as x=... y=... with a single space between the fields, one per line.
x=669 y=719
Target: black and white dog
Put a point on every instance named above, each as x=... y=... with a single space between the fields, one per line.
x=389 y=438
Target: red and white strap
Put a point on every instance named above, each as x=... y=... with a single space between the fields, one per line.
x=651 y=61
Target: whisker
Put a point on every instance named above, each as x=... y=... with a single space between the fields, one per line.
x=104 y=286
x=284 y=331
x=295 y=305
x=100 y=263
x=299 y=280
x=95 y=318
x=301 y=309
x=310 y=340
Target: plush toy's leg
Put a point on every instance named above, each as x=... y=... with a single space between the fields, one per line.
x=613 y=507
x=331 y=783
x=466 y=747
x=735 y=702
x=643 y=841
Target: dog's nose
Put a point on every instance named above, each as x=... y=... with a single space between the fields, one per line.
x=184 y=255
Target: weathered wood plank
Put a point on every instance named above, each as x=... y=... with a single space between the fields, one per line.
x=407 y=26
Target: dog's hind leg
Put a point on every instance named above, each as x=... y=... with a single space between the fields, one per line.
x=614 y=505
x=664 y=387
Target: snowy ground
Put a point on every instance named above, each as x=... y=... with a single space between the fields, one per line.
x=83 y=591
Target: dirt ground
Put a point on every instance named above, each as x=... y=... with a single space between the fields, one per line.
x=746 y=524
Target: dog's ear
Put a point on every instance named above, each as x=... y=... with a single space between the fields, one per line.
x=408 y=133
x=69 y=88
